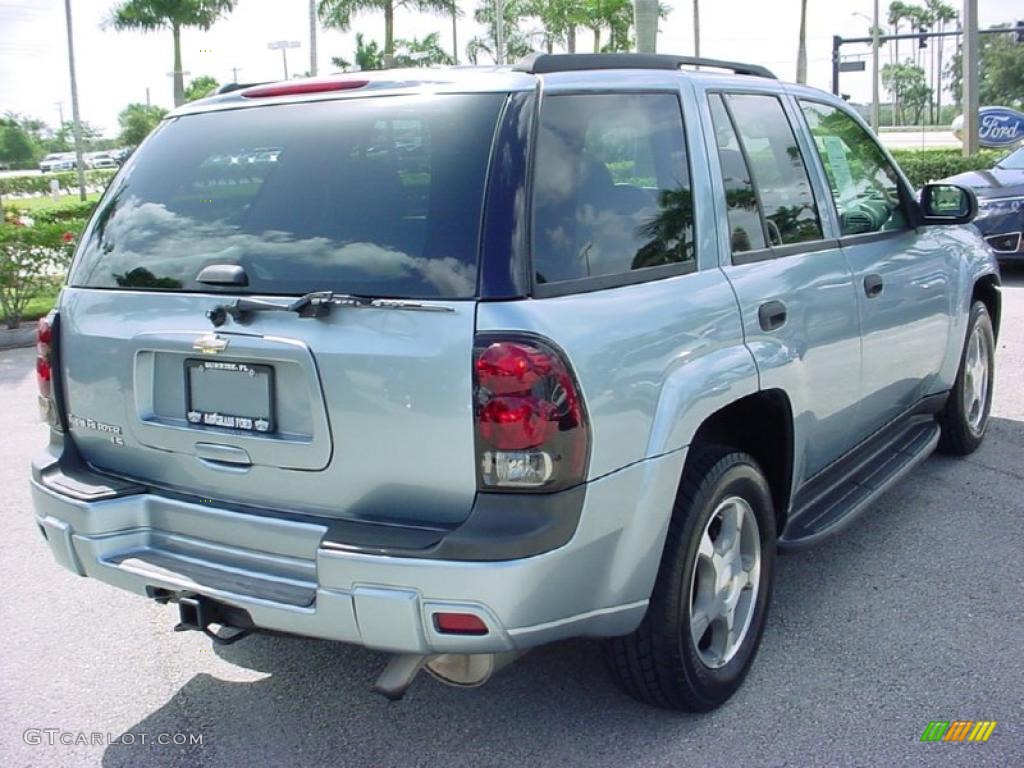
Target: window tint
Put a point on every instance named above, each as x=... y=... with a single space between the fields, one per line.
x=374 y=196
x=745 y=228
x=864 y=184
x=779 y=174
x=611 y=186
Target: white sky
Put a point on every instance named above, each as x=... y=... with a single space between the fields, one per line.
x=116 y=68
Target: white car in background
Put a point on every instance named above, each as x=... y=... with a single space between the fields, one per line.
x=57 y=162
x=101 y=160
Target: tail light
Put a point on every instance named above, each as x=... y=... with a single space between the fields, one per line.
x=44 y=336
x=531 y=426
x=44 y=372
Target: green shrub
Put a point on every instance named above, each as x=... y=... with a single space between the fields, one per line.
x=34 y=255
x=40 y=185
x=925 y=165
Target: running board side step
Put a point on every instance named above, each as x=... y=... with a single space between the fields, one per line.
x=833 y=499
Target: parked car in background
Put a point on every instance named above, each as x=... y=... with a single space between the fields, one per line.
x=1000 y=192
x=468 y=361
x=58 y=162
x=98 y=160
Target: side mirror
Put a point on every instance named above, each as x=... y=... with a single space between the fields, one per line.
x=947 y=204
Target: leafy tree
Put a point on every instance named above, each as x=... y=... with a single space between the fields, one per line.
x=137 y=121
x=421 y=53
x=910 y=92
x=517 y=43
x=150 y=15
x=614 y=15
x=16 y=144
x=898 y=13
x=559 y=20
x=369 y=56
x=1001 y=71
x=337 y=14
x=201 y=87
x=63 y=139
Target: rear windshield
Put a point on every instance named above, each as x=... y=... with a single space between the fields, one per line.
x=371 y=196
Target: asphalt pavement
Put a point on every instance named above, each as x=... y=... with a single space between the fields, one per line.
x=913 y=614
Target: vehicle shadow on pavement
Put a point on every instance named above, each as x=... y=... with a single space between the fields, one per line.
x=557 y=705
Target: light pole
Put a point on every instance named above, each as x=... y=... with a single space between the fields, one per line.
x=283 y=46
x=875 y=43
x=76 y=123
x=970 y=77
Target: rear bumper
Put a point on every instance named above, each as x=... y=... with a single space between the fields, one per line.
x=292 y=576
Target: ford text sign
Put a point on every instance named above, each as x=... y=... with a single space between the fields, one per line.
x=997 y=127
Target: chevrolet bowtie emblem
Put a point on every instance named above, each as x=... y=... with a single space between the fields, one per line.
x=210 y=344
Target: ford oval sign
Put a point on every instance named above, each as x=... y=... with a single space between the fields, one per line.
x=1000 y=127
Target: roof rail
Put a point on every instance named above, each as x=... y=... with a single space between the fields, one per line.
x=542 y=63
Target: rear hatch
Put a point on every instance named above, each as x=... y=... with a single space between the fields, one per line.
x=357 y=408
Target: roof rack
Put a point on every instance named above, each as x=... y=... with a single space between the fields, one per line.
x=543 y=63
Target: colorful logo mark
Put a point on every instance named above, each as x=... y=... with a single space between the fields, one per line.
x=958 y=730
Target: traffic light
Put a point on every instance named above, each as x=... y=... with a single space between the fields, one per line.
x=922 y=38
x=1020 y=32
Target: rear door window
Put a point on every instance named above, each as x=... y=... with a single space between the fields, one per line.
x=611 y=190
x=371 y=196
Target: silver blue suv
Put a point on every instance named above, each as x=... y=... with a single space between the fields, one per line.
x=454 y=363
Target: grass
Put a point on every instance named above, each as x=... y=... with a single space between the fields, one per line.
x=45 y=203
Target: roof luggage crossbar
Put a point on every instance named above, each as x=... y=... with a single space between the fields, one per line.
x=543 y=63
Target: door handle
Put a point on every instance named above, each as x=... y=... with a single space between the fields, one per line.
x=873 y=286
x=772 y=315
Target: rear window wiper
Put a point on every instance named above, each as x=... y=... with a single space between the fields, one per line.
x=315 y=304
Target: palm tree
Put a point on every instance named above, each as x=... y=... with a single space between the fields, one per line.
x=150 y=15
x=337 y=14
x=943 y=14
x=801 y=50
x=646 y=14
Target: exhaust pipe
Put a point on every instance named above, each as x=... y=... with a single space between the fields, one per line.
x=468 y=670
x=461 y=670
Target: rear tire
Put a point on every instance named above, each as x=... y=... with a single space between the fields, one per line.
x=707 y=611
x=964 y=419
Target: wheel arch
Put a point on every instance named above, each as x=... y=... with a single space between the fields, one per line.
x=987 y=290
x=760 y=424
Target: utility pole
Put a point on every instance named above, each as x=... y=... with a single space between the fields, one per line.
x=234 y=74
x=874 y=71
x=283 y=46
x=499 y=31
x=60 y=113
x=970 y=77
x=79 y=160
x=312 y=38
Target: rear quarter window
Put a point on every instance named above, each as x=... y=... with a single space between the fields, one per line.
x=372 y=196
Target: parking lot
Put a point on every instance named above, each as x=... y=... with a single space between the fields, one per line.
x=914 y=614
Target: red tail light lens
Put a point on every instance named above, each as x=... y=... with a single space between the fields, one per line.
x=44 y=374
x=531 y=427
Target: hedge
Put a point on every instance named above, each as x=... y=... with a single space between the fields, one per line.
x=925 y=165
x=40 y=185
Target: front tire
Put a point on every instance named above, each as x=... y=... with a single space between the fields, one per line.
x=707 y=611
x=964 y=419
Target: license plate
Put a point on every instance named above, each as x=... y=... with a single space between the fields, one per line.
x=229 y=395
